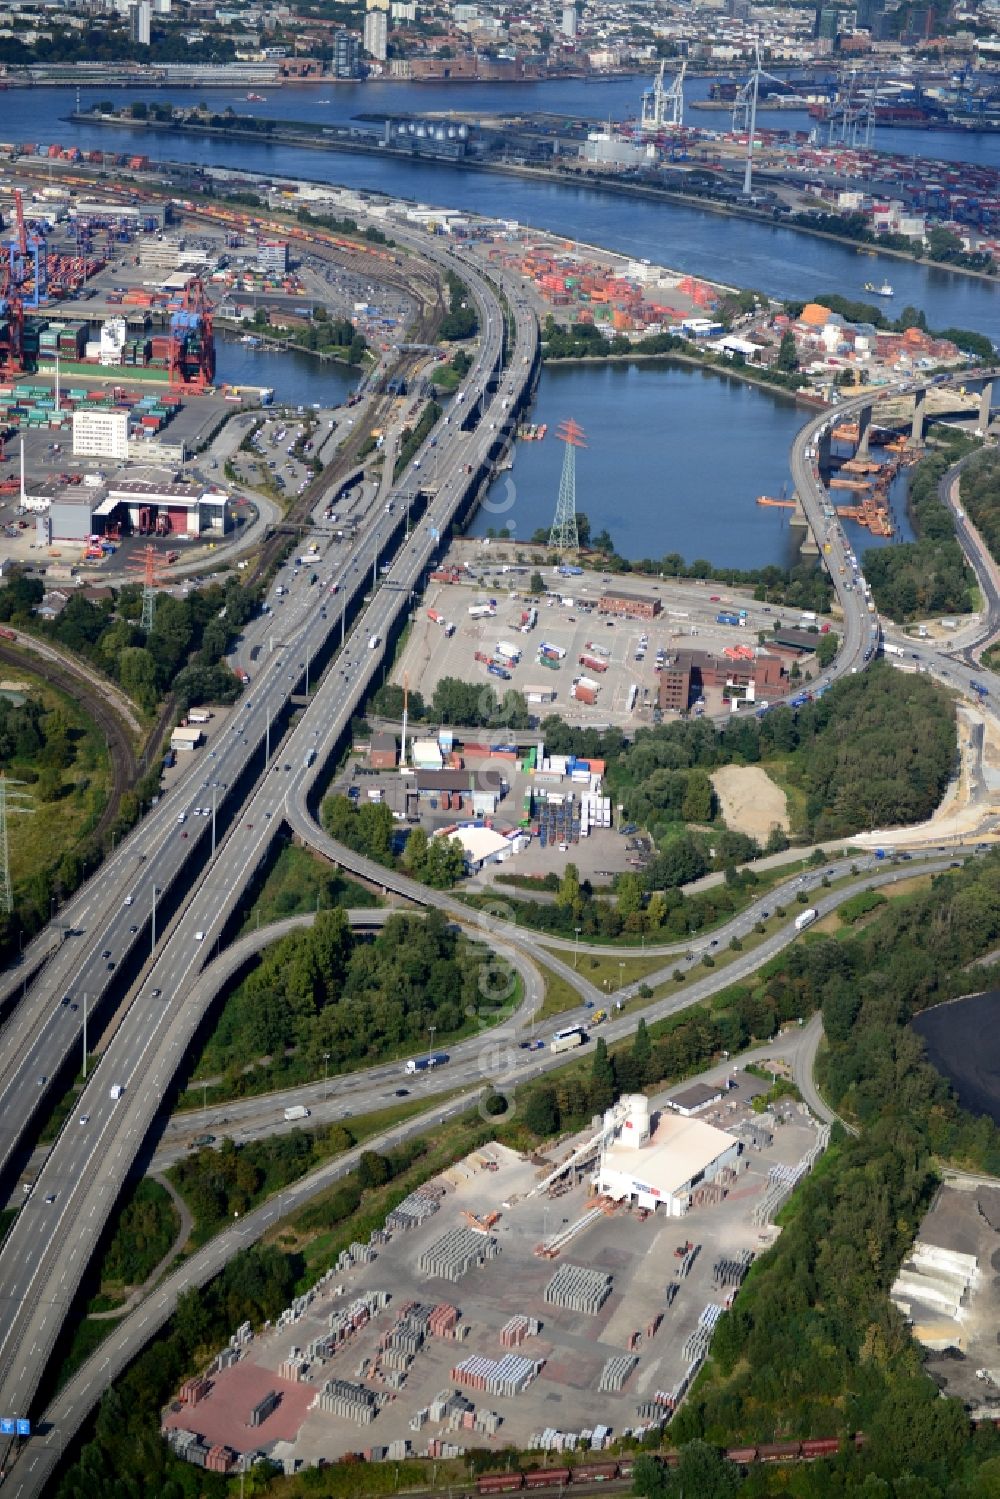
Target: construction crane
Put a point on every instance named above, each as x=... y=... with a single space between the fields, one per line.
x=192 y=341
x=663 y=106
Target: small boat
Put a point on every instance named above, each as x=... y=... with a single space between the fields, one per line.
x=885 y=290
x=256 y=99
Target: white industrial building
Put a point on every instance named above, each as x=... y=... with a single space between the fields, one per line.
x=482 y=845
x=659 y=1168
x=100 y=434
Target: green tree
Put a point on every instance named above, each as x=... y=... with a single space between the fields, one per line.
x=537 y=584
x=788 y=359
x=602 y=1078
x=541 y=1115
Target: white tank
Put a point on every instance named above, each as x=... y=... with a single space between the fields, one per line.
x=635 y=1128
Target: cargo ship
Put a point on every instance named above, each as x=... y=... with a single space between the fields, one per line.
x=884 y=290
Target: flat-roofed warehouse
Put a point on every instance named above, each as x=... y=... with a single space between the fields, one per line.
x=660 y=1168
x=633 y=605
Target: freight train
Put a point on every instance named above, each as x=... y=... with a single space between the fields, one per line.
x=808 y=1450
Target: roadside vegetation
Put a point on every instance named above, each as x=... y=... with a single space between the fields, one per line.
x=299 y=881
x=980 y=497
x=368 y=828
x=930 y=575
x=460 y=321
x=324 y=1001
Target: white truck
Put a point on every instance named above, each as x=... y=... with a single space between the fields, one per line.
x=116 y=1091
x=805 y=918
x=373 y=643
x=297 y=1111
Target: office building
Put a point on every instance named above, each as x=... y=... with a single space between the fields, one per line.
x=376 y=34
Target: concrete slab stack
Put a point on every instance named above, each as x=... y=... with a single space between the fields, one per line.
x=516 y=1329
x=510 y=1375
x=352 y=1401
x=615 y=1372
x=457 y=1252
x=578 y=1290
x=413 y=1210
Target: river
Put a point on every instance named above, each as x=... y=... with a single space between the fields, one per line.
x=776 y=260
x=963 y=1043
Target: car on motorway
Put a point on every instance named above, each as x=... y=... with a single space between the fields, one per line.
x=111 y=964
x=50 y=1197
x=133 y=930
x=155 y=993
x=41 y=1080
x=182 y=817
x=402 y=1092
x=84 y=1118
x=106 y=953
x=129 y=899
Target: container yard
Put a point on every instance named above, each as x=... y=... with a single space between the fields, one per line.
x=459 y=1324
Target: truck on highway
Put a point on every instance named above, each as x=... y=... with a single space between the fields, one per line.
x=805 y=918
x=297 y=1111
x=566 y=1040
x=373 y=643
x=425 y=1064
x=116 y=1090
x=310 y=757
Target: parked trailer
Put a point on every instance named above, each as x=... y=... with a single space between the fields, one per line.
x=593 y=663
x=555 y=650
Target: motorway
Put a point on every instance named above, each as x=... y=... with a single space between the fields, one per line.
x=47 y=1249
x=53 y=1238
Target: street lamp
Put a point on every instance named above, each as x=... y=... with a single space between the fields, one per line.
x=326 y=1066
x=432 y=1029
x=576 y=949
x=152 y=934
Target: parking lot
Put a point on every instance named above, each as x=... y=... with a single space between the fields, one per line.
x=568 y=620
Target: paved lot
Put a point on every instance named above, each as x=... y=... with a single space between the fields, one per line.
x=639 y=1254
x=568 y=619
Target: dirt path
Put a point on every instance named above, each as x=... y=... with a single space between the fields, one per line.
x=750 y=801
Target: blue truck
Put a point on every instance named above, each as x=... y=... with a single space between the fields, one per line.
x=496 y=670
x=727 y=619
x=424 y=1064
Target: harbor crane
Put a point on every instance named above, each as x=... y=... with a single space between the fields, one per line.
x=663 y=105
